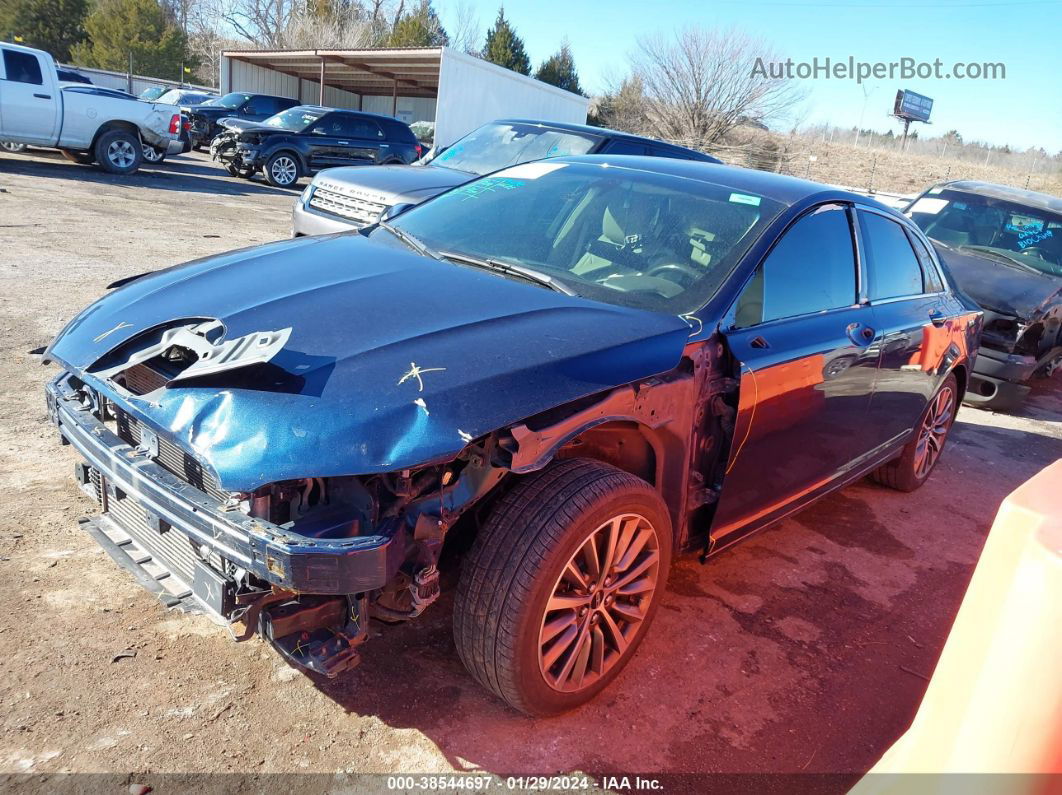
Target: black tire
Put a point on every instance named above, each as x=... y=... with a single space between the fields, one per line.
x=119 y=152
x=906 y=472
x=81 y=158
x=283 y=170
x=515 y=567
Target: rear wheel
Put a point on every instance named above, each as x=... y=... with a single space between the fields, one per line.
x=913 y=466
x=561 y=585
x=11 y=146
x=119 y=152
x=282 y=170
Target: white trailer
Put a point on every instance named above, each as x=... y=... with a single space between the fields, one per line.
x=457 y=92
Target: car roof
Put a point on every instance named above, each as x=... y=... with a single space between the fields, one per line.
x=366 y=113
x=778 y=187
x=602 y=132
x=1029 y=198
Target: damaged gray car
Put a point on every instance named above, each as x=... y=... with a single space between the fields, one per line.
x=573 y=368
x=1003 y=246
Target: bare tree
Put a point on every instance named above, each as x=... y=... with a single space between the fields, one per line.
x=700 y=84
x=260 y=22
x=466 y=34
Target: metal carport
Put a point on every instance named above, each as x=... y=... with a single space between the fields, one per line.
x=456 y=91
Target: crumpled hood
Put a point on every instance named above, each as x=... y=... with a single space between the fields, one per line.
x=393 y=359
x=391 y=184
x=1005 y=288
x=238 y=125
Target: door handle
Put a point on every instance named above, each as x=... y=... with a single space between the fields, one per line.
x=936 y=317
x=344 y=143
x=859 y=334
x=43 y=96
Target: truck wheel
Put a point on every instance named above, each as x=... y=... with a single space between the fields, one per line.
x=913 y=466
x=84 y=158
x=153 y=155
x=561 y=584
x=282 y=170
x=119 y=152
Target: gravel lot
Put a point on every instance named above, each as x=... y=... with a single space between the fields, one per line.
x=804 y=649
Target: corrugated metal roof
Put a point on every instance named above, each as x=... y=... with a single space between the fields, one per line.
x=412 y=71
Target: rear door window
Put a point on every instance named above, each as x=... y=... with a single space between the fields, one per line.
x=929 y=269
x=21 y=67
x=892 y=268
x=360 y=127
x=811 y=269
x=625 y=148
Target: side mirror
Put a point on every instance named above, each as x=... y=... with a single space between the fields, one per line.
x=395 y=209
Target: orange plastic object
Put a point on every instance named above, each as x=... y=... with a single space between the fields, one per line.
x=994 y=704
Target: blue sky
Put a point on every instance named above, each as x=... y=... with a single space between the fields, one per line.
x=1025 y=109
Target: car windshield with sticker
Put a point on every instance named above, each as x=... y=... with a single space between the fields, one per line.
x=611 y=233
x=1005 y=231
x=500 y=144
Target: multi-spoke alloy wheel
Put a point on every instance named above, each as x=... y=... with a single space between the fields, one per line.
x=561 y=584
x=934 y=431
x=920 y=455
x=282 y=171
x=598 y=602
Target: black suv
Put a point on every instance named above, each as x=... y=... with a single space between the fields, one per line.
x=305 y=139
x=252 y=107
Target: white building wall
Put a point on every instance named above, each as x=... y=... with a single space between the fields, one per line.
x=473 y=91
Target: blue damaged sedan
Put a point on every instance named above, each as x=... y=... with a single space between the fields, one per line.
x=577 y=369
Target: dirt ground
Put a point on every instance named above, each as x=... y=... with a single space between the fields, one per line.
x=804 y=649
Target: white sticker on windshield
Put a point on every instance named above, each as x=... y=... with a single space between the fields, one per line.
x=744 y=198
x=530 y=170
x=928 y=206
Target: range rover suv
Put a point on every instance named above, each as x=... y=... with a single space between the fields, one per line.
x=342 y=199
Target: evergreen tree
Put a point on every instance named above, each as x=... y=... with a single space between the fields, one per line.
x=118 y=28
x=505 y=48
x=50 y=25
x=419 y=28
x=559 y=70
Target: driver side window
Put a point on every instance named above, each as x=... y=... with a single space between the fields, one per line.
x=811 y=269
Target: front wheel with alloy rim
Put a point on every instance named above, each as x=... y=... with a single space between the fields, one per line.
x=914 y=464
x=561 y=584
x=119 y=152
x=282 y=170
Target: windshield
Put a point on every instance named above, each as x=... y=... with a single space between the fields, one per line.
x=230 y=101
x=609 y=233
x=177 y=97
x=295 y=119
x=152 y=93
x=1003 y=230
x=495 y=146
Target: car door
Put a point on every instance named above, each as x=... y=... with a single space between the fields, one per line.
x=805 y=344
x=911 y=313
x=322 y=142
x=363 y=142
x=30 y=101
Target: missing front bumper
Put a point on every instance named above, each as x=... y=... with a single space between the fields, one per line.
x=149 y=499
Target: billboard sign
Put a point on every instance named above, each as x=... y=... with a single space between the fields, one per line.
x=910 y=105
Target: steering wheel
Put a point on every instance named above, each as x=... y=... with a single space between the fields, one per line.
x=676 y=272
x=1034 y=250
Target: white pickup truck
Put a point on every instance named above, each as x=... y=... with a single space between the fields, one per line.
x=87 y=126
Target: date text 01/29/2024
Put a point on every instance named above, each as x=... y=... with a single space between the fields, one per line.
x=482 y=783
